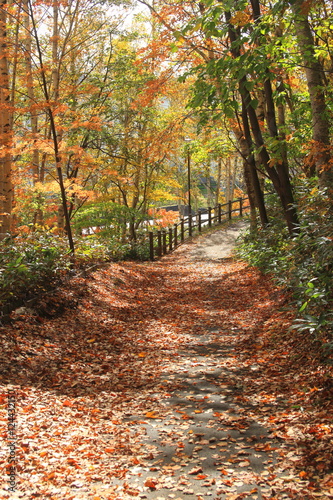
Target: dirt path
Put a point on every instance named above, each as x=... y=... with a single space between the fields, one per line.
x=219 y=244
x=159 y=382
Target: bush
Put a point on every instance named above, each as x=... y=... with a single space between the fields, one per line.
x=29 y=262
x=106 y=218
x=302 y=264
x=110 y=248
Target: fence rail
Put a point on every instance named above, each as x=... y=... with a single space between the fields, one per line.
x=164 y=241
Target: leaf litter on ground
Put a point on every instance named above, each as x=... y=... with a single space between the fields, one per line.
x=173 y=379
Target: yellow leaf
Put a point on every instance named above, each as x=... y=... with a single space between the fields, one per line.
x=91 y=340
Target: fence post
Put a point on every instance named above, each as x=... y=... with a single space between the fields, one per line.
x=199 y=222
x=176 y=234
x=159 y=243
x=170 y=239
x=219 y=213
x=209 y=217
x=164 y=242
x=230 y=209
x=182 y=231
x=241 y=207
x=151 y=245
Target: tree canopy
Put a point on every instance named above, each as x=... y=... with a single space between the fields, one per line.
x=97 y=109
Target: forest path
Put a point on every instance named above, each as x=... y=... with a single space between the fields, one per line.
x=218 y=244
x=159 y=381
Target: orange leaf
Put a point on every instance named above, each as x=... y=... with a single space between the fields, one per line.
x=67 y=403
x=151 y=414
x=151 y=484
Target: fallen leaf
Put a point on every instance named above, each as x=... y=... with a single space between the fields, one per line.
x=150 y=484
x=151 y=414
x=195 y=471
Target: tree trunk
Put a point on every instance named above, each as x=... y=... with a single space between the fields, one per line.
x=55 y=135
x=247 y=150
x=6 y=187
x=209 y=187
x=227 y=184
x=314 y=77
x=276 y=170
x=250 y=193
x=218 y=185
x=36 y=171
x=233 y=177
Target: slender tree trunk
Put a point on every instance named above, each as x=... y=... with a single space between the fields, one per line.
x=250 y=193
x=277 y=172
x=55 y=51
x=218 y=185
x=314 y=78
x=55 y=138
x=247 y=150
x=209 y=186
x=233 y=177
x=6 y=187
x=227 y=184
x=36 y=171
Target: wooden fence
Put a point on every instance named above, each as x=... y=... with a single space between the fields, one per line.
x=164 y=241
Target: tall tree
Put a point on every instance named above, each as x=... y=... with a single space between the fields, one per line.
x=6 y=132
x=314 y=72
x=276 y=168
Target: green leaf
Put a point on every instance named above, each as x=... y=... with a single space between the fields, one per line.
x=304 y=306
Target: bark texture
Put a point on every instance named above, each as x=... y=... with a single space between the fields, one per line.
x=315 y=82
x=6 y=187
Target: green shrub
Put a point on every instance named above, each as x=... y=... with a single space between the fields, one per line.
x=304 y=263
x=29 y=262
x=107 y=217
x=111 y=248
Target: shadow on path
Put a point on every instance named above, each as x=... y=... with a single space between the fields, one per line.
x=202 y=441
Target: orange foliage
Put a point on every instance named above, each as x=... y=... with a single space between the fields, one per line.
x=163 y=218
x=316 y=153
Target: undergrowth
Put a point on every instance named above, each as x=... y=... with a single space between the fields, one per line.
x=34 y=263
x=302 y=264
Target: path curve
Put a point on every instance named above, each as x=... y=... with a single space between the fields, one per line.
x=219 y=244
